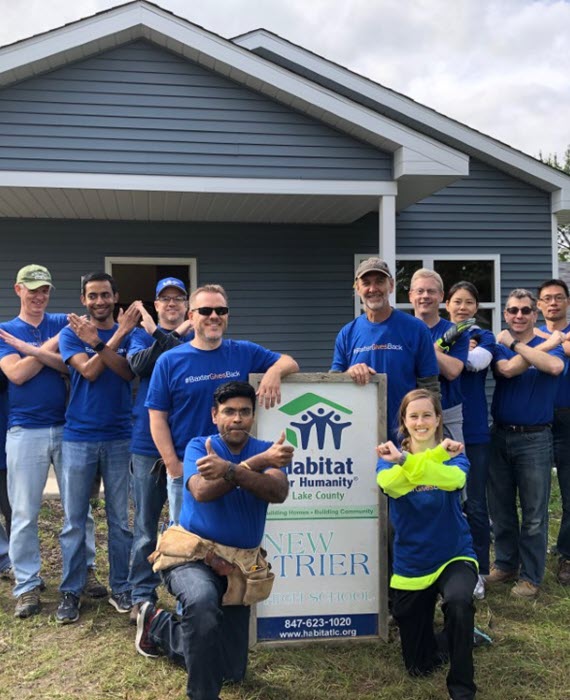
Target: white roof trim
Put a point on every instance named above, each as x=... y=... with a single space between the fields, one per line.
x=168 y=183
x=143 y=20
x=489 y=149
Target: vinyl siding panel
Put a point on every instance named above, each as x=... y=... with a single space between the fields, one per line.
x=139 y=109
x=290 y=287
x=487 y=212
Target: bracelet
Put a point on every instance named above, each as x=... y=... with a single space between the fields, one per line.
x=513 y=345
x=100 y=346
x=245 y=465
x=403 y=457
x=230 y=475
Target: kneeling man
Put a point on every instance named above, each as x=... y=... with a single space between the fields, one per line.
x=229 y=480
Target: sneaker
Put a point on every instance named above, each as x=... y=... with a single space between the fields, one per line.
x=497 y=575
x=480 y=639
x=28 y=603
x=93 y=587
x=563 y=574
x=479 y=591
x=134 y=614
x=121 y=601
x=143 y=643
x=525 y=589
x=68 y=609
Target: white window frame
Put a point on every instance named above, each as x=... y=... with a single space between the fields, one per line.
x=427 y=260
x=131 y=260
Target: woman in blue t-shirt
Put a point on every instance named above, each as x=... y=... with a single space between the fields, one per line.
x=433 y=551
x=463 y=303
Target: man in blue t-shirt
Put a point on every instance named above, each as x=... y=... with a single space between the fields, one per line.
x=96 y=438
x=384 y=340
x=36 y=412
x=553 y=302
x=526 y=369
x=150 y=484
x=230 y=478
x=180 y=392
x=426 y=295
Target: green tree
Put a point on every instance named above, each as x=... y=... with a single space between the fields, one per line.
x=563 y=231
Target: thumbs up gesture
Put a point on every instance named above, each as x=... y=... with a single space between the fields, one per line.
x=280 y=454
x=212 y=466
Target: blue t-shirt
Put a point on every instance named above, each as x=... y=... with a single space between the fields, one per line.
x=562 y=399
x=39 y=402
x=429 y=526
x=451 y=390
x=527 y=399
x=98 y=410
x=185 y=378
x=400 y=347
x=475 y=409
x=142 y=442
x=236 y=519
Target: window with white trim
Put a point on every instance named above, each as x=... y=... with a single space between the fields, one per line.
x=482 y=270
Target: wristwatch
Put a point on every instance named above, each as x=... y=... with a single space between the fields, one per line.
x=100 y=346
x=403 y=457
x=230 y=475
x=513 y=345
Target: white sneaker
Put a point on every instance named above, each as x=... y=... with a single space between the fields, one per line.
x=479 y=592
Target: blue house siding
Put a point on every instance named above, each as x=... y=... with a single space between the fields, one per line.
x=290 y=287
x=487 y=212
x=140 y=109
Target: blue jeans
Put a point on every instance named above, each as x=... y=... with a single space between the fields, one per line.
x=209 y=641
x=175 y=488
x=561 y=436
x=29 y=453
x=81 y=462
x=149 y=493
x=520 y=462
x=476 y=505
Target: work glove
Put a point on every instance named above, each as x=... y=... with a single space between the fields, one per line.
x=452 y=334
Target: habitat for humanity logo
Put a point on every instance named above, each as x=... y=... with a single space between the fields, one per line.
x=311 y=420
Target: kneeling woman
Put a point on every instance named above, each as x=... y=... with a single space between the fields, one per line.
x=433 y=551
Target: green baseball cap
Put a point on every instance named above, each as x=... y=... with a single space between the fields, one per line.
x=34 y=277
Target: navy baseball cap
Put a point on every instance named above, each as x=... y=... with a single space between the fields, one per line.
x=171 y=282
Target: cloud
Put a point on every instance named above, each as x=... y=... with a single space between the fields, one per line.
x=500 y=66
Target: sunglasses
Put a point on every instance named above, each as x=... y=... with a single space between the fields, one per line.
x=209 y=310
x=524 y=310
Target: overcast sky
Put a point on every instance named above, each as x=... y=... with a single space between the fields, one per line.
x=500 y=66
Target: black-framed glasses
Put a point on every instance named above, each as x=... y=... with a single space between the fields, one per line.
x=166 y=300
x=524 y=310
x=209 y=310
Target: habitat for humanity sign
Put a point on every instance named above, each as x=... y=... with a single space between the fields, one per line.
x=323 y=541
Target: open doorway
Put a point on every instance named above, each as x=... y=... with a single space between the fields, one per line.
x=137 y=277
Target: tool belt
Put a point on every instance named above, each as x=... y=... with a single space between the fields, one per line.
x=249 y=575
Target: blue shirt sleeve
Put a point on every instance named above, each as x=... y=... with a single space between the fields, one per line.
x=70 y=344
x=195 y=449
x=158 y=395
x=261 y=358
x=340 y=361
x=460 y=349
x=426 y=362
x=139 y=339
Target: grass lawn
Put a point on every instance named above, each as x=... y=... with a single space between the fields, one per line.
x=95 y=659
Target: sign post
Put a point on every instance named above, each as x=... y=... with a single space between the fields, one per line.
x=327 y=543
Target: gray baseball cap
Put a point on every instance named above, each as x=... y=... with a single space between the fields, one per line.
x=373 y=265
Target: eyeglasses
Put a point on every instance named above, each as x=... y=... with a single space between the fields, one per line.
x=233 y=412
x=209 y=310
x=556 y=297
x=429 y=292
x=524 y=310
x=166 y=300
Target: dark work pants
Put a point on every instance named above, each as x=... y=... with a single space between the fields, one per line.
x=4 y=502
x=414 y=613
x=210 y=640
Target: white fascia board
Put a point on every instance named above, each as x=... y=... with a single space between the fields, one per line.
x=540 y=174
x=239 y=64
x=166 y=183
x=409 y=162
